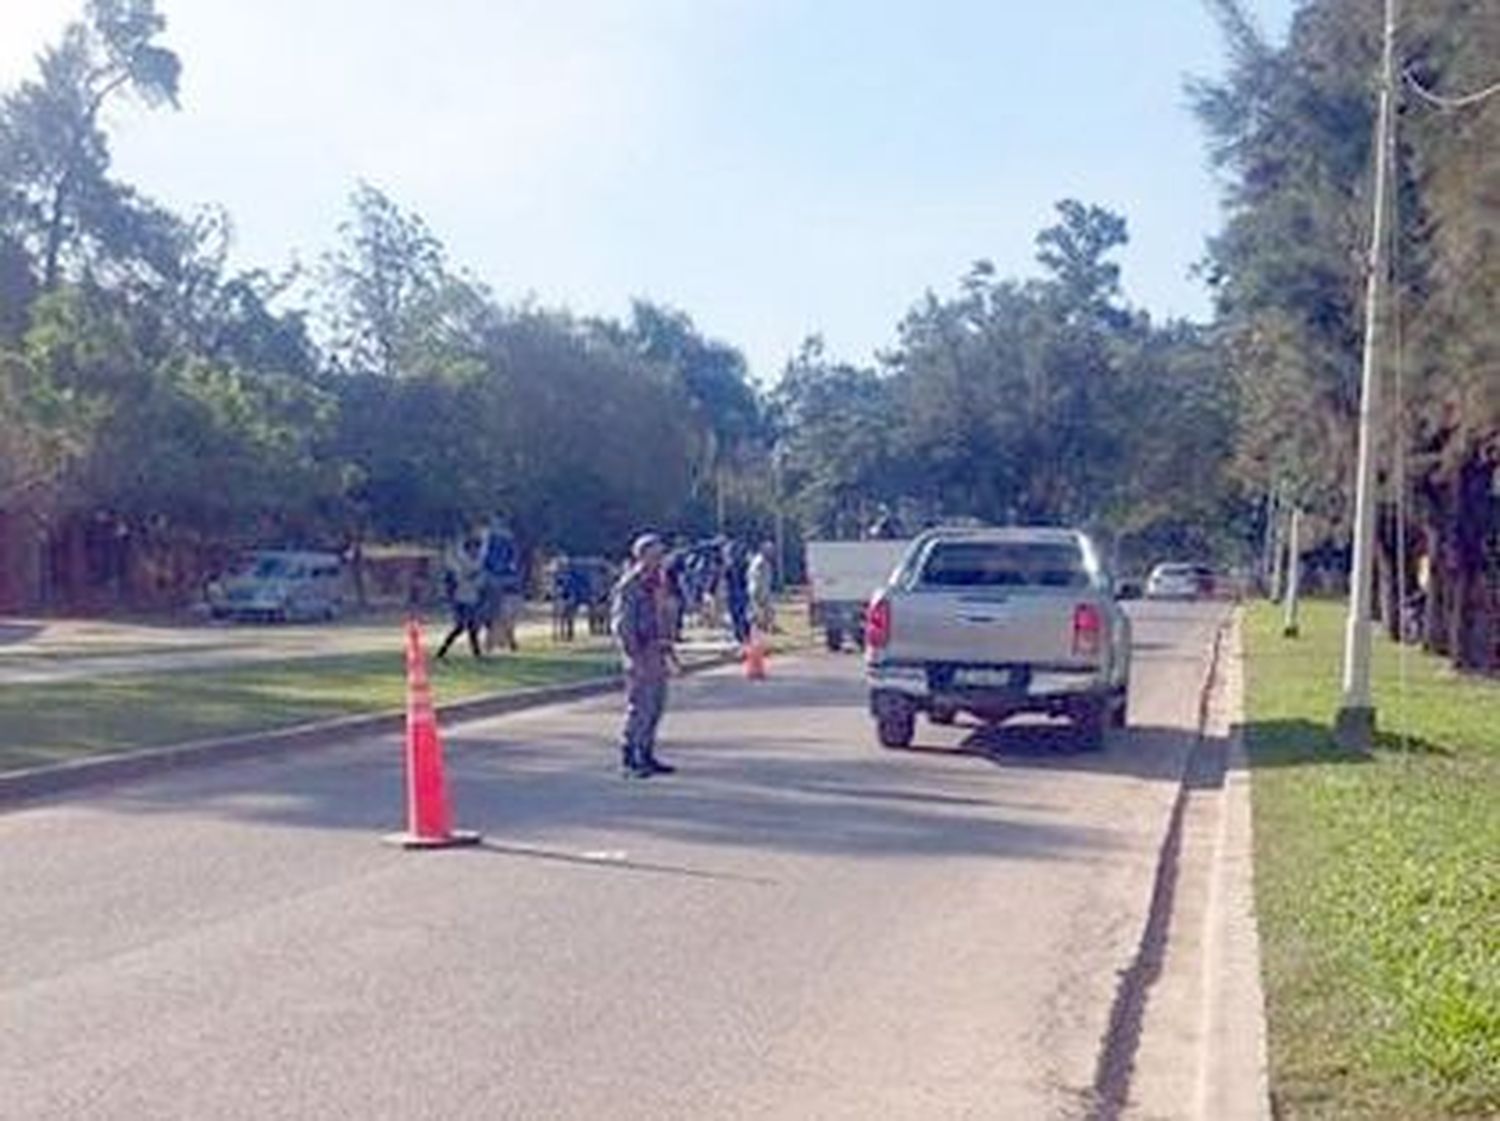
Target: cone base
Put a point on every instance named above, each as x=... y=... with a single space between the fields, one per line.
x=455 y=839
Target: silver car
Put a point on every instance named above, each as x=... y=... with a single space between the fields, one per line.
x=280 y=586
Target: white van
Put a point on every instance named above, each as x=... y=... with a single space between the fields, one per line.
x=280 y=586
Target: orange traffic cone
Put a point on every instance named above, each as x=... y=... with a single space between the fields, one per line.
x=755 y=657
x=429 y=818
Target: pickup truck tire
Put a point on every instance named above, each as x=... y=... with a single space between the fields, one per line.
x=833 y=637
x=1091 y=719
x=1119 y=710
x=896 y=727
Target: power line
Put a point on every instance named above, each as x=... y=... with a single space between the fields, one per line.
x=1447 y=102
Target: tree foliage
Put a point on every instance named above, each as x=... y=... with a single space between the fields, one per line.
x=1048 y=400
x=1291 y=129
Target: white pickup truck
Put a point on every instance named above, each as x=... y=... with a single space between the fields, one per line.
x=842 y=576
x=997 y=622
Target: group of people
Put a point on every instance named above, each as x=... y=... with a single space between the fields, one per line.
x=580 y=584
x=716 y=578
x=484 y=588
x=719 y=581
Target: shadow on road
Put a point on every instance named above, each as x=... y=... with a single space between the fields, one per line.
x=539 y=792
x=804 y=778
x=13 y=634
x=1153 y=753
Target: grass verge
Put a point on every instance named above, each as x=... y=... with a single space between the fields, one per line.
x=51 y=723
x=1377 y=881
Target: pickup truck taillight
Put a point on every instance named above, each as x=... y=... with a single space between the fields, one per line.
x=1088 y=630
x=878 y=624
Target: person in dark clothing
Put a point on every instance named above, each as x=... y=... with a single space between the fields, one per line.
x=737 y=591
x=565 y=601
x=463 y=581
x=885 y=527
x=675 y=584
x=646 y=650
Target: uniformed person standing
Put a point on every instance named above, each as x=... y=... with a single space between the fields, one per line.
x=640 y=625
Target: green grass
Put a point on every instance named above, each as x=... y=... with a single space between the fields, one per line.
x=50 y=723
x=1377 y=881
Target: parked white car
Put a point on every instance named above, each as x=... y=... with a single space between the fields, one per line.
x=997 y=622
x=1180 y=581
x=278 y=586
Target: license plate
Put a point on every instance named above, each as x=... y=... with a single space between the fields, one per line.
x=983 y=678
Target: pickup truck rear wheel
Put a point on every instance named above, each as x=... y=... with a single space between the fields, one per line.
x=895 y=727
x=1090 y=719
x=833 y=637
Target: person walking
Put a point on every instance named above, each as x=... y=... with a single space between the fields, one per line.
x=638 y=616
x=568 y=594
x=464 y=583
x=737 y=591
x=760 y=577
x=501 y=591
x=675 y=585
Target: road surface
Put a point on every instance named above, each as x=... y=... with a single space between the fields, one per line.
x=799 y=925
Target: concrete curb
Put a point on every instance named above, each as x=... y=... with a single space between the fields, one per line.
x=39 y=782
x=1187 y=1034
x=1130 y=1039
x=1235 y=1068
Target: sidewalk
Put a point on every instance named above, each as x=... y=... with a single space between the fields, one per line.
x=1202 y=1052
x=50 y=651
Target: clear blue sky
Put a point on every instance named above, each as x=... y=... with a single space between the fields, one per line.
x=772 y=167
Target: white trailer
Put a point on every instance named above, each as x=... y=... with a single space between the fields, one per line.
x=842 y=577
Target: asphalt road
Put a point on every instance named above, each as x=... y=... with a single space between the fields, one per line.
x=799 y=925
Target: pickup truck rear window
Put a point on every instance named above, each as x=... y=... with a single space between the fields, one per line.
x=1004 y=564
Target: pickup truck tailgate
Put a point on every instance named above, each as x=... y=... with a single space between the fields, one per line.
x=985 y=627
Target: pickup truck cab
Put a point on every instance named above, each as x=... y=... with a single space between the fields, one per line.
x=998 y=622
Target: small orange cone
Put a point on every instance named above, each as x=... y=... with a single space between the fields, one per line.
x=755 y=657
x=429 y=818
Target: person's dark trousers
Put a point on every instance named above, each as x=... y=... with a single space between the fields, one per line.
x=645 y=701
x=465 y=620
x=739 y=618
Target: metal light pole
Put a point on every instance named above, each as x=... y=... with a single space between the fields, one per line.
x=1354 y=727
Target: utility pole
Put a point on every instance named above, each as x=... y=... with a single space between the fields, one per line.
x=1354 y=727
x=1290 y=628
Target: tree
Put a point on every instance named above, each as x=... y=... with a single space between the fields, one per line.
x=383 y=281
x=835 y=424
x=55 y=195
x=712 y=378
x=1047 y=400
x=1291 y=128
